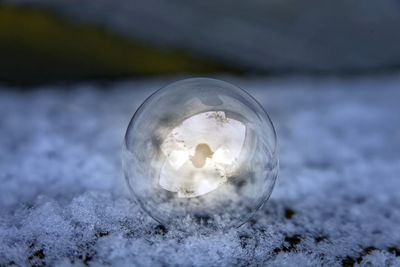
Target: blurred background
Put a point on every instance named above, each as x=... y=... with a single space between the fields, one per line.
x=45 y=41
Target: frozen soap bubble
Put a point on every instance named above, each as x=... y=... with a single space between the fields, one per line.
x=200 y=152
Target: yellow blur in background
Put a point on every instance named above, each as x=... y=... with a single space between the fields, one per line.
x=37 y=46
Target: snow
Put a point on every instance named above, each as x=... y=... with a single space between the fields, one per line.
x=63 y=199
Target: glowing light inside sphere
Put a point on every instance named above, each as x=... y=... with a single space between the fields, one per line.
x=200 y=151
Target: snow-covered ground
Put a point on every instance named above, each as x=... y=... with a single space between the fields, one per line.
x=63 y=200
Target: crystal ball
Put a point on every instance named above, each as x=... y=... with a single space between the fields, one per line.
x=201 y=152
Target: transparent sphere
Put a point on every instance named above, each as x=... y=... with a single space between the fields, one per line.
x=200 y=151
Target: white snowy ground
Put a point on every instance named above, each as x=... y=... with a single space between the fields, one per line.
x=337 y=199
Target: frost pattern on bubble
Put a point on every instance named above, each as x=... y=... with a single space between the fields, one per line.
x=201 y=150
x=202 y=153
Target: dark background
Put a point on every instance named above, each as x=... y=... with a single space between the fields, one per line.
x=44 y=41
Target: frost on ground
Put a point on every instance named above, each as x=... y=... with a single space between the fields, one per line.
x=63 y=200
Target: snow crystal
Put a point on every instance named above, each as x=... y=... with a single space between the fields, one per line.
x=63 y=199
